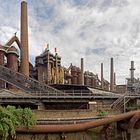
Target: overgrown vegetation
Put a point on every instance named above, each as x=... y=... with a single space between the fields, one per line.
x=131 y=106
x=10 y=118
x=94 y=136
x=102 y=113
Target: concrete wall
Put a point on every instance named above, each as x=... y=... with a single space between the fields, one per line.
x=49 y=114
x=64 y=113
x=135 y=134
x=65 y=136
x=88 y=135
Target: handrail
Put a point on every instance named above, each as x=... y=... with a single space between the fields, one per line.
x=25 y=83
x=119 y=102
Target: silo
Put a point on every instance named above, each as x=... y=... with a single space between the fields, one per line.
x=12 y=60
x=74 y=75
x=2 y=54
x=79 y=76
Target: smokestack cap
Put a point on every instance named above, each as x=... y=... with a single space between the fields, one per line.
x=24 y=0
x=14 y=50
x=2 y=48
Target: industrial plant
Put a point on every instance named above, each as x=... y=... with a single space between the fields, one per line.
x=69 y=102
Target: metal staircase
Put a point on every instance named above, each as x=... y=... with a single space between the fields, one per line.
x=24 y=83
x=119 y=103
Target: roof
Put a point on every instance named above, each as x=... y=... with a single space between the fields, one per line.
x=13 y=49
x=8 y=93
x=2 y=48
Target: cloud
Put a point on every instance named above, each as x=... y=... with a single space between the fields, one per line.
x=93 y=29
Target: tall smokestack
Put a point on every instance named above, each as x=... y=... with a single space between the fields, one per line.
x=112 y=75
x=102 y=78
x=114 y=81
x=82 y=71
x=48 y=65
x=24 y=66
x=114 y=78
x=132 y=69
x=56 y=67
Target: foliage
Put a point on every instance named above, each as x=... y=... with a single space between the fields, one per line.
x=10 y=118
x=94 y=136
x=102 y=113
x=131 y=106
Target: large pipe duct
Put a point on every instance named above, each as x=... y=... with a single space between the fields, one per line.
x=132 y=69
x=76 y=127
x=24 y=66
x=82 y=71
x=112 y=75
x=102 y=78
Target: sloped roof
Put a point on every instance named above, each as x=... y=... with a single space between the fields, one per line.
x=8 y=93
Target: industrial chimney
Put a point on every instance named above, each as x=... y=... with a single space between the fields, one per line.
x=82 y=71
x=24 y=65
x=112 y=76
x=132 y=69
x=102 y=79
x=48 y=65
x=56 y=67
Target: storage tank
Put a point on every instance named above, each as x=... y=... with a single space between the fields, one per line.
x=12 y=60
x=74 y=75
x=2 y=55
x=79 y=76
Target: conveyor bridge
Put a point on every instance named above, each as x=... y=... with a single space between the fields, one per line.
x=24 y=83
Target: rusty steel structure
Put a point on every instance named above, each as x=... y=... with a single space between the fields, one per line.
x=48 y=71
x=48 y=67
x=9 y=57
x=12 y=40
x=23 y=82
x=12 y=60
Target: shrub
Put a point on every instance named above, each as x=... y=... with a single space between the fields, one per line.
x=10 y=118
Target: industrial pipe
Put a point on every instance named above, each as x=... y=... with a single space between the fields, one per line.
x=76 y=127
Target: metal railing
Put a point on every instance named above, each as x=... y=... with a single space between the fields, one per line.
x=119 y=103
x=87 y=96
x=24 y=83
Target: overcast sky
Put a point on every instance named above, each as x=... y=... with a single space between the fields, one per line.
x=93 y=29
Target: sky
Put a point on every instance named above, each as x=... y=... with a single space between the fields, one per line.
x=95 y=30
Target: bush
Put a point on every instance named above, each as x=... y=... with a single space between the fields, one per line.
x=102 y=113
x=10 y=118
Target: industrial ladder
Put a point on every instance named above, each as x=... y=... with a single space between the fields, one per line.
x=24 y=83
x=118 y=104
